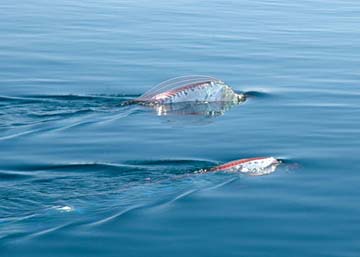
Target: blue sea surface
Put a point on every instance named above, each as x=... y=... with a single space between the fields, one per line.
x=82 y=175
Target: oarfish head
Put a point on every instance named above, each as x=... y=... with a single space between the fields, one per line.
x=240 y=97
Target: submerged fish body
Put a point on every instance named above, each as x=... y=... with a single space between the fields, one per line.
x=252 y=166
x=201 y=89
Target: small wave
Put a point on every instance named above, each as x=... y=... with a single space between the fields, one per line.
x=63 y=100
x=154 y=171
x=115 y=216
x=17 y=99
x=46 y=231
x=138 y=207
x=257 y=94
x=62 y=113
x=173 y=162
x=19 y=134
x=172 y=194
x=180 y=196
x=229 y=181
x=26 y=115
x=11 y=175
x=87 y=166
x=97 y=119
x=77 y=97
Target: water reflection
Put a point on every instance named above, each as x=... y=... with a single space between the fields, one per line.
x=194 y=113
x=213 y=109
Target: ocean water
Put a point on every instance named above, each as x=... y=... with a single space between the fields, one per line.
x=82 y=175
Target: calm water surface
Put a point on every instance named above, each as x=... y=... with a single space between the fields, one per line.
x=81 y=175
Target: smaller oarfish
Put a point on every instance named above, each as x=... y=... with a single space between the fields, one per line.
x=252 y=166
x=202 y=89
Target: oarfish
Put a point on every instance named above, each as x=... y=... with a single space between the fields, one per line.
x=201 y=89
x=252 y=166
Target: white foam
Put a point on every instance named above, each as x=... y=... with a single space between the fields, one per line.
x=64 y=208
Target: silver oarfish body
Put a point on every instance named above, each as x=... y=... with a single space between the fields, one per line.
x=252 y=166
x=202 y=89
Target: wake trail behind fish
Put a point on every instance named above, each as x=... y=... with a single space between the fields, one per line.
x=21 y=116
